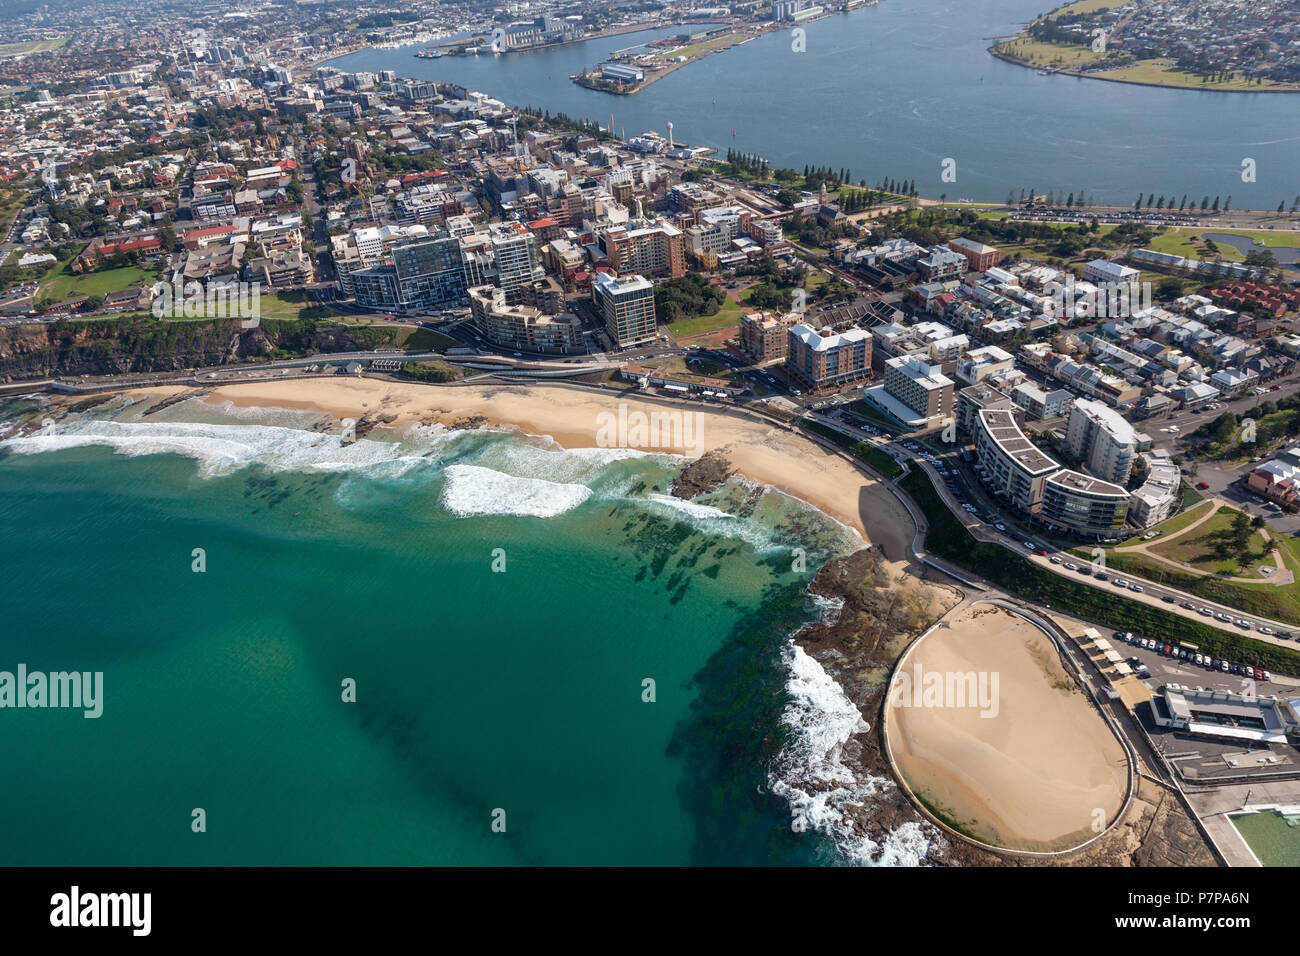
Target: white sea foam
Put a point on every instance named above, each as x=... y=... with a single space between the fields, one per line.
x=474 y=490
x=812 y=776
x=222 y=449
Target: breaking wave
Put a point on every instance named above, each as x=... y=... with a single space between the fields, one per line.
x=811 y=775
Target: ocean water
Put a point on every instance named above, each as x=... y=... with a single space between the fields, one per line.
x=498 y=602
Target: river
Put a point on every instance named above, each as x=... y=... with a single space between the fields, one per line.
x=896 y=89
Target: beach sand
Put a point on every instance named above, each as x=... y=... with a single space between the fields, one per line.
x=1032 y=777
x=571 y=415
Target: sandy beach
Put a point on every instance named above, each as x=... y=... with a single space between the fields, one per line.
x=574 y=417
x=1032 y=775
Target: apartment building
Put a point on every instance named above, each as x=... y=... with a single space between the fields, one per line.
x=921 y=387
x=658 y=250
x=972 y=399
x=1087 y=506
x=522 y=327
x=1102 y=439
x=627 y=305
x=764 y=335
x=1008 y=462
x=518 y=260
x=825 y=361
x=426 y=275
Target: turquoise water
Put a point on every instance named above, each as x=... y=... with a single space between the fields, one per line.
x=1273 y=838
x=476 y=690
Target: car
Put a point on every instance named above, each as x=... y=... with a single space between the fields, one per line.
x=1266 y=630
x=1223 y=617
x=1223 y=666
x=1135 y=661
x=1205 y=611
x=1120 y=583
x=1184 y=655
x=1267 y=676
x=1244 y=625
x=1000 y=527
x=1285 y=635
x=1200 y=659
x=1070 y=566
x=1188 y=605
x=1055 y=559
x=1202 y=485
x=1236 y=668
x=1029 y=545
x=1166 y=649
x=1168 y=599
x=1102 y=576
x=1136 y=587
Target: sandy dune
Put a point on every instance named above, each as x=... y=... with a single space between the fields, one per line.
x=1034 y=775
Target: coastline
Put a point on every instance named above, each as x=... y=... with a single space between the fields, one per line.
x=570 y=415
x=1119 y=79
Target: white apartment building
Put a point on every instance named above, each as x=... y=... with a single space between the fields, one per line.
x=1102 y=439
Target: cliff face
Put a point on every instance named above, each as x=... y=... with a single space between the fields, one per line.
x=130 y=345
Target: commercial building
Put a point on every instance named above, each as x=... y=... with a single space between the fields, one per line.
x=920 y=387
x=522 y=327
x=1223 y=714
x=764 y=335
x=1103 y=272
x=627 y=304
x=978 y=364
x=828 y=361
x=1008 y=462
x=979 y=257
x=1087 y=506
x=1102 y=439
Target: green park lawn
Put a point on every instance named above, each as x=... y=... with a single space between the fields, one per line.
x=60 y=284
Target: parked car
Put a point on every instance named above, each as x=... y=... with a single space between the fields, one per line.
x=1055 y=559
x=1200 y=660
x=1267 y=676
x=1223 y=666
x=1202 y=485
x=1266 y=630
x=1188 y=605
x=1168 y=599
x=1136 y=587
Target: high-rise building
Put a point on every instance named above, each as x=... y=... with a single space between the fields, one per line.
x=627 y=304
x=825 y=361
x=920 y=386
x=518 y=260
x=658 y=250
x=763 y=335
x=426 y=275
x=1102 y=439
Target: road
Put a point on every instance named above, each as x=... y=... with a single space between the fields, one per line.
x=1013 y=536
